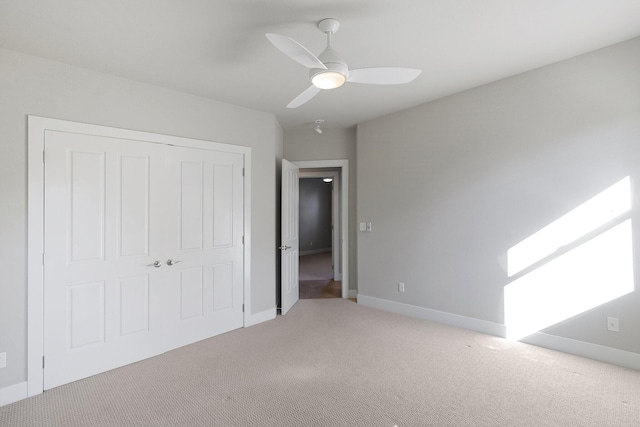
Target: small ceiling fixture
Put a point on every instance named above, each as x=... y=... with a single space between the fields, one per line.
x=317 y=129
x=327 y=179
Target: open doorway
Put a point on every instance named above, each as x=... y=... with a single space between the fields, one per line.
x=323 y=265
x=318 y=219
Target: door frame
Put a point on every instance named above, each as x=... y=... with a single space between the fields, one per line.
x=37 y=129
x=343 y=166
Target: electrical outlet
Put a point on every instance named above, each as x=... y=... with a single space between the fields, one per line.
x=613 y=324
x=400 y=287
x=3 y=360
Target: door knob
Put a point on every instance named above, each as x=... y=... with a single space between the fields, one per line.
x=171 y=262
x=156 y=264
x=284 y=248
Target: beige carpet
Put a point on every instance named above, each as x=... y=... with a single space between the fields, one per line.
x=331 y=362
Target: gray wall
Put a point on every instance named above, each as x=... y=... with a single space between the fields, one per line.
x=333 y=144
x=451 y=185
x=30 y=85
x=315 y=214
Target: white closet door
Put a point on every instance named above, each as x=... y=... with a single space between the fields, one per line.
x=205 y=243
x=103 y=227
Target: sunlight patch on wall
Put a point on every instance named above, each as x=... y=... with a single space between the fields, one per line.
x=606 y=206
x=592 y=274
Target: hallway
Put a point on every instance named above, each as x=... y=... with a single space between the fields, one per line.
x=316 y=277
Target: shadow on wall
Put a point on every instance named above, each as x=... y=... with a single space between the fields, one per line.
x=578 y=262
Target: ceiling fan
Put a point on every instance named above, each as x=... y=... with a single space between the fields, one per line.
x=329 y=70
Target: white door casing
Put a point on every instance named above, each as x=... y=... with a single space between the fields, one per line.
x=289 y=242
x=343 y=167
x=111 y=240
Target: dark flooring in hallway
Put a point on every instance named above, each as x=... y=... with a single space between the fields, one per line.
x=316 y=277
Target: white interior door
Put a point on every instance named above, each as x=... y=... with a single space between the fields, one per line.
x=205 y=244
x=289 y=242
x=103 y=221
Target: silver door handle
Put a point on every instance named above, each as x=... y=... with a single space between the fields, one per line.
x=156 y=264
x=284 y=248
x=171 y=262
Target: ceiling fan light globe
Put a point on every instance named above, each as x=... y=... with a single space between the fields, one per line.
x=328 y=80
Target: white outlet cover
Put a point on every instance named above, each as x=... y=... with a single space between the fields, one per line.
x=613 y=324
x=3 y=360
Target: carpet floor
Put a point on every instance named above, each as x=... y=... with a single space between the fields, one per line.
x=331 y=362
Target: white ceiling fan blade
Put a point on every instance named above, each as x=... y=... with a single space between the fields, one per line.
x=305 y=96
x=383 y=75
x=295 y=51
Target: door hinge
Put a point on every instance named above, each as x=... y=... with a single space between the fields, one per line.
x=243 y=308
x=43 y=258
x=242 y=171
x=43 y=156
x=243 y=240
x=42 y=362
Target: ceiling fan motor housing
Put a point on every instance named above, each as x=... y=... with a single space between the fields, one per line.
x=333 y=61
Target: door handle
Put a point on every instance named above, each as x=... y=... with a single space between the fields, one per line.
x=284 y=248
x=156 y=264
x=171 y=262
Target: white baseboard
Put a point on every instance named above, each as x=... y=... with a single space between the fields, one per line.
x=315 y=251
x=601 y=353
x=13 y=393
x=478 y=325
x=263 y=316
x=611 y=355
x=353 y=293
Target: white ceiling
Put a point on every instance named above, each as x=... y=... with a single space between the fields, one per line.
x=217 y=48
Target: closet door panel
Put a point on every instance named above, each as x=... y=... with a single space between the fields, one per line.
x=103 y=302
x=216 y=178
